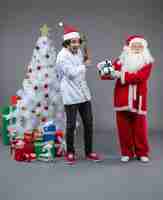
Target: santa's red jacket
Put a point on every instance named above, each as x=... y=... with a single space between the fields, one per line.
x=130 y=93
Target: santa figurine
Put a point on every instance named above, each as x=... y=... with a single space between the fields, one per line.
x=132 y=71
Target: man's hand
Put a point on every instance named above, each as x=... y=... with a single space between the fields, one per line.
x=87 y=62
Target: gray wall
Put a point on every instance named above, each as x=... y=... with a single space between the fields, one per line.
x=107 y=24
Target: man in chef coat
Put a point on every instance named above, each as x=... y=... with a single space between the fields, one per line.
x=71 y=65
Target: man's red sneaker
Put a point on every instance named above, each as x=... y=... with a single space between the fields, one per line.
x=70 y=158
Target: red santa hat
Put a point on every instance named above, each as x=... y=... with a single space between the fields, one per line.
x=70 y=32
x=136 y=38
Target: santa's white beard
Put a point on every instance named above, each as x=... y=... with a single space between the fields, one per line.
x=133 y=62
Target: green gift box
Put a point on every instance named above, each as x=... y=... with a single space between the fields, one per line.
x=5 y=124
x=5 y=111
x=38 y=147
x=45 y=151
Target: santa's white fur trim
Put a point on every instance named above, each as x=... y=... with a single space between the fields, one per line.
x=141 y=40
x=71 y=35
x=122 y=77
x=134 y=91
x=140 y=103
x=125 y=48
x=130 y=97
x=124 y=108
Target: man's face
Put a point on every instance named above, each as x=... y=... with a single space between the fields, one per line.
x=74 y=45
x=136 y=48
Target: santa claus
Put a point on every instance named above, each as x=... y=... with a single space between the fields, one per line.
x=132 y=71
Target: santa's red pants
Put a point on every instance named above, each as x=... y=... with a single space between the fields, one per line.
x=132 y=131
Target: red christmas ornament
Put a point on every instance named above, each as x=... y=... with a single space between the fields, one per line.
x=13 y=100
x=46 y=86
x=38 y=67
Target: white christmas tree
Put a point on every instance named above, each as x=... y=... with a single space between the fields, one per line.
x=40 y=99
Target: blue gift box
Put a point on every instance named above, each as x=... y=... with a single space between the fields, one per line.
x=48 y=137
x=49 y=129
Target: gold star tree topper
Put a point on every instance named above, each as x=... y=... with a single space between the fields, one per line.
x=45 y=30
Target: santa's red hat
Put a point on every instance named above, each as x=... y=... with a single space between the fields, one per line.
x=70 y=32
x=136 y=38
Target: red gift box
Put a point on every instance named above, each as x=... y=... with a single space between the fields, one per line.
x=14 y=99
x=22 y=151
x=28 y=137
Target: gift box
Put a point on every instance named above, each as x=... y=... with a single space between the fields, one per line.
x=0 y=123
x=28 y=137
x=21 y=151
x=38 y=147
x=13 y=100
x=45 y=151
x=48 y=137
x=5 y=123
x=49 y=129
x=7 y=119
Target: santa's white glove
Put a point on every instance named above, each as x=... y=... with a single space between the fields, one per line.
x=115 y=74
